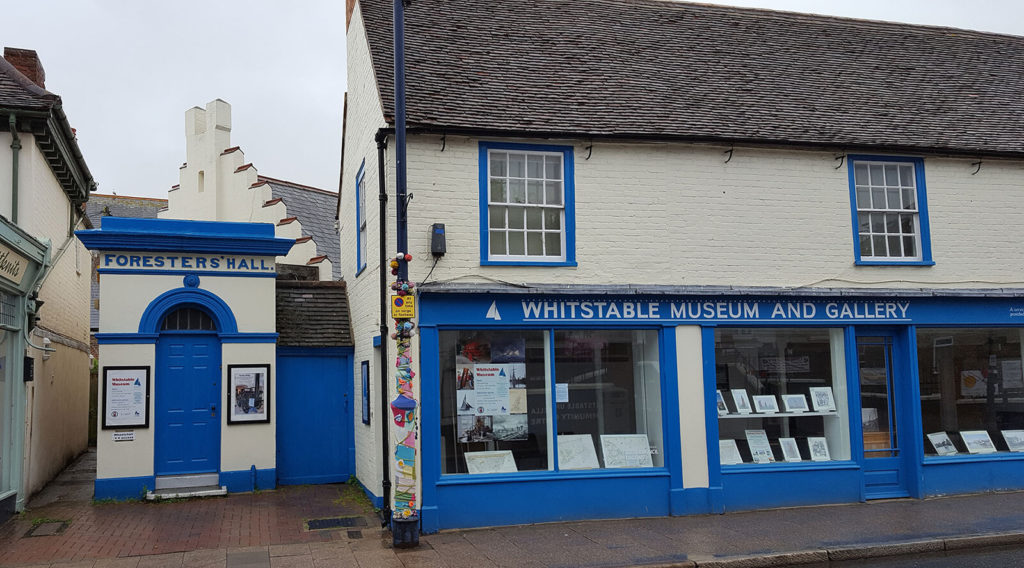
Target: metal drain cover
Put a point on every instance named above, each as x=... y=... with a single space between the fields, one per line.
x=334 y=523
x=47 y=529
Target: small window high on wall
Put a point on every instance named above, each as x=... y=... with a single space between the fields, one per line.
x=188 y=319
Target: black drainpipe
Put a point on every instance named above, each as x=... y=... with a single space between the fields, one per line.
x=15 y=149
x=385 y=420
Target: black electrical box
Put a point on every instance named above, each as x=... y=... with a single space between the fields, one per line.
x=437 y=239
x=30 y=369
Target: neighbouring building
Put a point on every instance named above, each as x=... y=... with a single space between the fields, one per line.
x=698 y=258
x=44 y=284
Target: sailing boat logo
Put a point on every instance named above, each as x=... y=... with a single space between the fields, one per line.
x=465 y=403
x=492 y=312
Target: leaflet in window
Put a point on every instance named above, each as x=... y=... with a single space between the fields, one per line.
x=760 y=448
x=723 y=409
x=500 y=461
x=626 y=450
x=790 y=450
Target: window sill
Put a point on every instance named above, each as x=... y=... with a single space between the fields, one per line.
x=788 y=466
x=546 y=475
x=527 y=263
x=973 y=458
x=894 y=263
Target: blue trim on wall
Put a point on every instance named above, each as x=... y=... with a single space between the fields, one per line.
x=125 y=338
x=178 y=297
x=968 y=474
x=569 y=201
x=671 y=442
x=150 y=272
x=242 y=481
x=243 y=337
x=360 y=176
x=293 y=351
x=750 y=488
x=922 y=211
x=430 y=434
x=121 y=488
x=376 y=341
x=715 y=504
x=378 y=502
x=144 y=235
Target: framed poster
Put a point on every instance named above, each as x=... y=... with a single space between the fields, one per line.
x=125 y=397
x=794 y=402
x=942 y=444
x=722 y=408
x=248 y=388
x=364 y=370
x=766 y=404
x=790 y=451
x=760 y=448
x=626 y=450
x=500 y=461
x=739 y=396
x=821 y=398
x=729 y=453
x=576 y=451
x=819 y=448
x=977 y=441
x=1014 y=440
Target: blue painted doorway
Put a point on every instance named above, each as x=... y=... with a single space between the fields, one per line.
x=188 y=406
x=883 y=374
x=315 y=441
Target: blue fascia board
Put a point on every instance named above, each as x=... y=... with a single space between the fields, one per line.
x=125 y=338
x=145 y=235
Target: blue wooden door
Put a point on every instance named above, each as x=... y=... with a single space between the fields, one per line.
x=315 y=442
x=883 y=380
x=188 y=398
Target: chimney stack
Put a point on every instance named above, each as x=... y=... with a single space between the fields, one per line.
x=26 y=61
x=350 y=5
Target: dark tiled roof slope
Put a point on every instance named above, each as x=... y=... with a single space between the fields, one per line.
x=314 y=209
x=663 y=69
x=100 y=206
x=17 y=91
x=313 y=314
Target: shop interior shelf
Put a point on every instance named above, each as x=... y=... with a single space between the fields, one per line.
x=779 y=414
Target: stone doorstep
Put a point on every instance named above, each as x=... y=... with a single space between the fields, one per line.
x=187 y=492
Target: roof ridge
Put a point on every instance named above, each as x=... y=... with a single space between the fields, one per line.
x=129 y=197
x=268 y=179
x=7 y=68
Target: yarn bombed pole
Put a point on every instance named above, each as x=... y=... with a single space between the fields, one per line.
x=405 y=515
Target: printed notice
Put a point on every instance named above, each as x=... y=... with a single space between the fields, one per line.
x=561 y=392
x=125 y=397
x=492 y=386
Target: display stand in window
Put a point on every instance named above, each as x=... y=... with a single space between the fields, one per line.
x=781 y=370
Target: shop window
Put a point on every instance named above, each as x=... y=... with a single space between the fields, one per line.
x=781 y=395
x=526 y=204
x=504 y=394
x=972 y=390
x=188 y=319
x=890 y=215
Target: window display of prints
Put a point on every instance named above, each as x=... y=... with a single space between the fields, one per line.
x=476 y=428
x=510 y=427
x=819 y=446
x=626 y=450
x=942 y=444
x=576 y=451
x=822 y=399
x=248 y=386
x=794 y=402
x=125 y=397
x=790 y=451
x=1014 y=440
x=500 y=461
x=739 y=396
x=491 y=396
x=729 y=453
x=977 y=441
x=723 y=409
x=760 y=449
x=766 y=404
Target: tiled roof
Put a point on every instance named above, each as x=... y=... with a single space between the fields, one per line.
x=314 y=209
x=17 y=91
x=313 y=314
x=659 y=69
x=100 y=206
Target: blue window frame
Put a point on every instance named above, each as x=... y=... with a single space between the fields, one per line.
x=527 y=205
x=890 y=211
x=361 y=219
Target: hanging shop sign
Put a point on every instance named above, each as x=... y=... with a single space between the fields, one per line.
x=125 y=397
x=12 y=265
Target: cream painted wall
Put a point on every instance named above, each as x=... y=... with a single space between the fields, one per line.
x=364 y=117
x=126 y=459
x=692 y=429
x=245 y=445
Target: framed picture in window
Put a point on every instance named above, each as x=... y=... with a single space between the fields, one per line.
x=364 y=373
x=1014 y=440
x=729 y=453
x=722 y=408
x=248 y=388
x=739 y=396
x=794 y=403
x=125 y=397
x=977 y=441
x=821 y=398
x=819 y=448
x=942 y=444
x=766 y=404
x=790 y=451
x=760 y=448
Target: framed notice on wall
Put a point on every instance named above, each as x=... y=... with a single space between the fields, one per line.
x=125 y=397
x=248 y=394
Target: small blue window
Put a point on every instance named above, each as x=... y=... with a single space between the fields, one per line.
x=890 y=211
x=527 y=205
x=361 y=218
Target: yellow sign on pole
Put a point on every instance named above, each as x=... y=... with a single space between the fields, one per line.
x=403 y=307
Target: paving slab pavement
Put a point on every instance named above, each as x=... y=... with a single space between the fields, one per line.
x=268 y=530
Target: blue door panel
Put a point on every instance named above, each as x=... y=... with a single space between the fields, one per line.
x=314 y=416
x=187 y=404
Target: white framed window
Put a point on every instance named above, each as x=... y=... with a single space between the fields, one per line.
x=361 y=219
x=889 y=208
x=526 y=204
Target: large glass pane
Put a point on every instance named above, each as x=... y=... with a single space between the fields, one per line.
x=781 y=395
x=608 y=399
x=495 y=401
x=874 y=356
x=972 y=390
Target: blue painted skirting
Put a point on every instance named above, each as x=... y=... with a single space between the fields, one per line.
x=121 y=488
x=242 y=481
x=790 y=487
x=969 y=474
x=378 y=502
x=312 y=479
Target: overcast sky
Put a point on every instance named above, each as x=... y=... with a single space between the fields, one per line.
x=128 y=70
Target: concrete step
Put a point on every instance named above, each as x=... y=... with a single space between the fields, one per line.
x=188 y=481
x=187 y=492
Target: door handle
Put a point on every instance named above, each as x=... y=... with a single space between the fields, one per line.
x=213 y=410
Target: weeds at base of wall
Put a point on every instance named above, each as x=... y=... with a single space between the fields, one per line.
x=43 y=520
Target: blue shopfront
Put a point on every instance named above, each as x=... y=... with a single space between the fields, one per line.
x=552 y=404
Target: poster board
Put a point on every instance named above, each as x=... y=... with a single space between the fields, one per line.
x=248 y=394
x=576 y=451
x=500 y=461
x=626 y=450
x=125 y=397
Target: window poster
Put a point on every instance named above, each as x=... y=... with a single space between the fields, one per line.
x=125 y=397
x=490 y=390
x=248 y=386
x=973 y=384
x=1012 y=377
